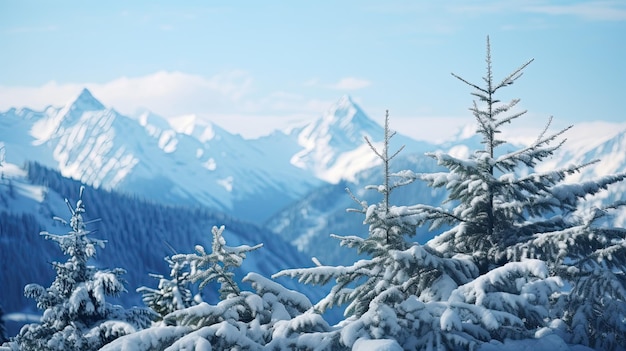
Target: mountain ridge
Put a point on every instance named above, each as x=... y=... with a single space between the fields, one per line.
x=193 y=163
x=198 y=163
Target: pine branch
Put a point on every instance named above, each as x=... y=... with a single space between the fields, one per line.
x=511 y=78
x=470 y=84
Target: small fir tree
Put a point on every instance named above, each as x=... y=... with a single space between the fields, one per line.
x=76 y=315
x=171 y=294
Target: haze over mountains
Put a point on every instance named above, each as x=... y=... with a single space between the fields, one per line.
x=193 y=163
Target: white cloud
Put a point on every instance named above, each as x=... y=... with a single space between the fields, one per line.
x=167 y=93
x=39 y=97
x=350 y=83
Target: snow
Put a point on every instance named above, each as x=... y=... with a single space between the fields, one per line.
x=226 y=183
x=459 y=151
x=184 y=124
x=450 y=321
x=168 y=141
x=210 y=164
x=549 y=342
x=146 y=340
x=376 y=345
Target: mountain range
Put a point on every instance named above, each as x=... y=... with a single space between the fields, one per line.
x=193 y=162
x=291 y=182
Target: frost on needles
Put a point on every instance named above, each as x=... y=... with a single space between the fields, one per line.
x=76 y=314
x=270 y=317
x=418 y=297
x=501 y=212
x=517 y=253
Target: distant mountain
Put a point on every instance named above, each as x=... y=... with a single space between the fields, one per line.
x=333 y=146
x=192 y=162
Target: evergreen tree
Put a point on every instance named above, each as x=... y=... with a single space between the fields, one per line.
x=217 y=265
x=501 y=210
x=415 y=297
x=171 y=294
x=272 y=317
x=76 y=315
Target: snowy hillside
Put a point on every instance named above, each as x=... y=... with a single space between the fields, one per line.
x=138 y=234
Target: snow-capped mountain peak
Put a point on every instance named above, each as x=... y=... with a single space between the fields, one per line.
x=332 y=143
x=188 y=160
x=346 y=116
x=85 y=101
x=57 y=121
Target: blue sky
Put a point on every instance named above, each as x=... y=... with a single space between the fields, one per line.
x=251 y=66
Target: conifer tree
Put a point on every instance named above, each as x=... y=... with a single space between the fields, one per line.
x=76 y=314
x=171 y=294
x=217 y=265
x=270 y=317
x=415 y=297
x=502 y=210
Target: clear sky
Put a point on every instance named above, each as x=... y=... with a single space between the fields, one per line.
x=252 y=66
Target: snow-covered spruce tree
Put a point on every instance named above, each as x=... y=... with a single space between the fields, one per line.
x=76 y=315
x=413 y=297
x=171 y=294
x=268 y=318
x=502 y=210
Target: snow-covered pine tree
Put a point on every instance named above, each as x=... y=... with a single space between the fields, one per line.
x=218 y=265
x=272 y=317
x=171 y=294
x=76 y=314
x=414 y=297
x=502 y=210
